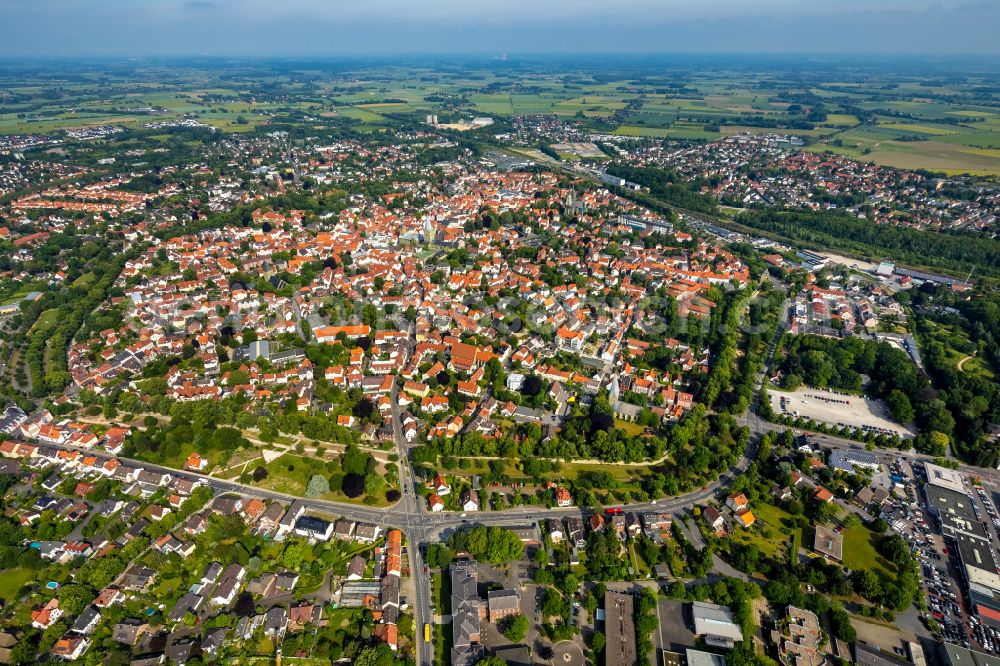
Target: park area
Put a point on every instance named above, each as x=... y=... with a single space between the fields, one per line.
x=291 y=474
x=837 y=409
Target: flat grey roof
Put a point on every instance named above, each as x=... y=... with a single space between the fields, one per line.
x=866 y=655
x=715 y=620
x=954 y=510
x=944 y=477
x=619 y=627
x=955 y=655
x=702 y=658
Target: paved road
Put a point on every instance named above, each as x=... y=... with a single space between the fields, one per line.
x=415 y=525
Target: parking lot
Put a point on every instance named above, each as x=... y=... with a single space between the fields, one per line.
x=984 y=505
x=941 y=572
x=674 y=635
x=837 y=409
x=940 y=580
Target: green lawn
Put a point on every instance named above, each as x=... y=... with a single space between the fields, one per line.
x=441 y=593
x=167 y=586
x=632 y=429
x=772 y=531
x=569 y=470
x=85 y=280
x=12 y=580
x=957 y=347
x=860 y=552
x=18 y=295
x=46 y=320
x=293 y=481
x=643 y=567
x=977 y=366
x=441 y=638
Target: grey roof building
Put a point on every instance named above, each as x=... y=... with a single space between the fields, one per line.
x=715 y=624
x=955 y=655
x=847 y=461
x=619 y=628
x=87 y=621
x=702 y=658
x=828 y=543
x=465 y=608
x=275 y=622
x=128 y=632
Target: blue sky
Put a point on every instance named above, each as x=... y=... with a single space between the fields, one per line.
x=371 y=27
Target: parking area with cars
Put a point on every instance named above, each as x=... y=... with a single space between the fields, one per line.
x=959 y=566
x=987 y=635
x=838 y=409
x=908 y=514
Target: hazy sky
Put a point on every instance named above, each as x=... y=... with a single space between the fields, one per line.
x=321 y=27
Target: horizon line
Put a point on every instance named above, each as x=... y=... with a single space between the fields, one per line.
x=499 y=56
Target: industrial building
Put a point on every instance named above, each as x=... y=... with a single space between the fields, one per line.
x=619 y=628
x=968 y=538
x=715 y=625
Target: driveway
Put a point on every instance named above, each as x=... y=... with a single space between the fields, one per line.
x=721 y=567
x=693 y=534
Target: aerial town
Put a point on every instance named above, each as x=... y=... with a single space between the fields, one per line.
x=284 y=384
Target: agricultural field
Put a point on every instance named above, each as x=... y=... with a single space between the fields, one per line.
x=942 y=154
x=916 y=117
x=668 y=132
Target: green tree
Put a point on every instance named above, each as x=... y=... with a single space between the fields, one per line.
x=826 y=512
x=840 y=622
x=491 y=660
x=438 y=556
x=515 y=628
x=900 y=407
x=109 y=411
x=495 y=545
x=866 y=583
x=938 y=443
x=374 y=484
x=318 y=486
x=74 y=598
x=375 y=655
x=293 y=556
